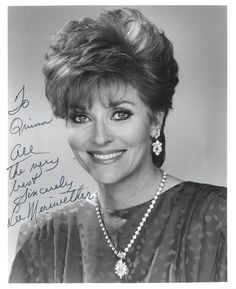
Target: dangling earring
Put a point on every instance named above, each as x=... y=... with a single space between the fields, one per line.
x=157 y=145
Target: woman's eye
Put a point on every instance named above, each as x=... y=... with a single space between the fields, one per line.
x=121 y=115
x=80 y=118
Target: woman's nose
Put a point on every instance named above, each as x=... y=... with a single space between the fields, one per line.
x=102 y=134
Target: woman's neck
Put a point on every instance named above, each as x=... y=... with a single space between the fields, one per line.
x=131 y=191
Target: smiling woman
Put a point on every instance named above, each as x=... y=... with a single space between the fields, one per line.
x=105 y=141
x=112 y=79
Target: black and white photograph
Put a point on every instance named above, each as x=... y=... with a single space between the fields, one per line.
x=117 y=144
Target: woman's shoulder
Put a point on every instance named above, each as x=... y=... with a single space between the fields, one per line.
x=202 y=194
x=204 y=203
x=204 y=190
x=200 y=200
x=192 y=187
x=196 y=189
x=60 y=219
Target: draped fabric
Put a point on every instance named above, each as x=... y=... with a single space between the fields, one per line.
x=183 y=240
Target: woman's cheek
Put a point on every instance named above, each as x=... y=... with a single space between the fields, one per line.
x=70 y=137
x=134 y=135
x=74 y=139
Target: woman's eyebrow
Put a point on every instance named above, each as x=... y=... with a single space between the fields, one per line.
x=80 y=108
x=117 y=103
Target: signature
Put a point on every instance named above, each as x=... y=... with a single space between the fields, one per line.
x=69 y=195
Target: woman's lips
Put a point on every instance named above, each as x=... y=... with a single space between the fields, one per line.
x=106 y=156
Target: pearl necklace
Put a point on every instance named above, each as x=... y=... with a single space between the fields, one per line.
x=121 y=269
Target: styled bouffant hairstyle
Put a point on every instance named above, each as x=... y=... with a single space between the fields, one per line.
x=122 y=47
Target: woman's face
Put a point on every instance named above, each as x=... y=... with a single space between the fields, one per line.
x=112 y=141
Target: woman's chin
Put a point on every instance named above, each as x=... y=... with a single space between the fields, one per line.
x=106 y=178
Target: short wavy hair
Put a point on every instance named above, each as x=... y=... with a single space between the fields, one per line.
x=120 y=46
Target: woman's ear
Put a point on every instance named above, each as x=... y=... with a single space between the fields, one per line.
x=156 y=123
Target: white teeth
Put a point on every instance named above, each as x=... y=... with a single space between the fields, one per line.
x=107 y=156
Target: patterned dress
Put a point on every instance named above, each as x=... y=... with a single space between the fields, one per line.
x=183 y=240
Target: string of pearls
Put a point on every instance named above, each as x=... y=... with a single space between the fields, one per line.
x=119 y=254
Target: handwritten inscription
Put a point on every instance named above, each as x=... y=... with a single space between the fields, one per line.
x=18 y=126
x=26 y=190
x=18 y=151
x=20 y=102
x=35 y=207
x=33 y=189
